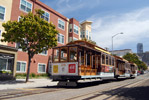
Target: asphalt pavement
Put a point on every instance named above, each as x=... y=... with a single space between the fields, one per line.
x=20 y=83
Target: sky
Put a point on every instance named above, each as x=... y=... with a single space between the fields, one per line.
x=110 y=17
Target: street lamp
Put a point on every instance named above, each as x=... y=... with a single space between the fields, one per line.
x=112 y=40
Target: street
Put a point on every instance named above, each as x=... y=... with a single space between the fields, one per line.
x=124 y=89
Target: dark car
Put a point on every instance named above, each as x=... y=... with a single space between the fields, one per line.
x=142 y=72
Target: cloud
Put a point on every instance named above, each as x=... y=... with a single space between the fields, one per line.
x=67 y=6
x=134 y=25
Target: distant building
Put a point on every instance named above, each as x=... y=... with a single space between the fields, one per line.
x=85 y=28
x=121 y=53
x=139 y=48
x=145 y=58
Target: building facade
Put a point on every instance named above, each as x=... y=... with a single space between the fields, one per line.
x=139 y=48
x=121 y=53
x=86 y=30
x=69 y=30
x=8 y=55
x=145 y=57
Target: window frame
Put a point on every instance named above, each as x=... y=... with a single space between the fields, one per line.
x=6 y=64
x=75 y=39
x=56 y=51
x=25 y=6
x=63 y=54
x=58 y=24
x=4 y=13
x=0 y=34
x=76 y=54
x=19 y=17
x=19 y=49
x=107 y=60
x=44 y=54
x=25 y=67
x=44 y=16
x=41 y=64
x=61 y=38
x=74 y=28
x=103 y=61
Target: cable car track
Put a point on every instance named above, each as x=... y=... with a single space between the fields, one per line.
x=89 y=95
x=107 y=94
x=27 y=92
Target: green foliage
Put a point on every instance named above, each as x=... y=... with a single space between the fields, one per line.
x=90 y=41
x=32 y=75
x=33 y=33
x=135 y=59
x=3 y=72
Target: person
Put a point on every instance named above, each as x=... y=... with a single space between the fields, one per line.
x=75 y=57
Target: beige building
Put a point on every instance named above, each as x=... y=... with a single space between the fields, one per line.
x=86 y=30
x=8 y=55
x=5 y=15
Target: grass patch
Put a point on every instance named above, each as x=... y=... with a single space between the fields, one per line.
x=31 y=76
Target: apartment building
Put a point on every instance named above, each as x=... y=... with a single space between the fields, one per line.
x=86 y=30
x=69 y=30
x=121 y=53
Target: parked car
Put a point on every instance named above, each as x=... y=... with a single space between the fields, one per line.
x=138 y=73
x=142 y=72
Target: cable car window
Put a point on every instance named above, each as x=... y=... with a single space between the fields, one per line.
x=107 y=60
x=82 y=58
x=56 y=55
x=63 y=54
x=110 y=61
x=88 y=59
x=103 y=59
x=72 y=54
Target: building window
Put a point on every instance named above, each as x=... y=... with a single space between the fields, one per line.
x=18 y=46
x=76 y=29
x=41 y=68
x=74 y=39
x=87 y=34
x=44 y=52
x=2 y=13
x=61 y=24
x=6 y=62
x=19 y=18
x=21 y=66
x=90 y=36
x=82 y=34
x=60 y=38
x=25 y=6
x=46 y=16
x=70 y=28
x=0 y=33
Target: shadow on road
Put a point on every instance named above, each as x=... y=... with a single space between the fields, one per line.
x=135 y=93
x=12 y=82
x=85 y=84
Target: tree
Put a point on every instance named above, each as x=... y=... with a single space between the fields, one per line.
x=33 y=33
x=90 y=41
x=135 y=59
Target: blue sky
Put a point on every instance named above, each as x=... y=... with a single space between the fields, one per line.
x=109 y=18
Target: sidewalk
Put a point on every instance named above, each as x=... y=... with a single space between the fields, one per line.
x=20 y=83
